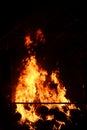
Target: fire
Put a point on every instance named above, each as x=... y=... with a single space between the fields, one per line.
x=40 y=35
x=28 y=41
x=36 y=88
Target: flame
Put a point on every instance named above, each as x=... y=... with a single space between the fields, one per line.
x=28 y=41
x=50 y=117
x=40 y=35
x=36 y=87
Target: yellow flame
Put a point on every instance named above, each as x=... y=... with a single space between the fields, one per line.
x=35 y=86
x=50 y=117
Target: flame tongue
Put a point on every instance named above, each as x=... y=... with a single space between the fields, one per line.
x=36 y=88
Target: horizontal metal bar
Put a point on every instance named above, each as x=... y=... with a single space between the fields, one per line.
x=48 y=103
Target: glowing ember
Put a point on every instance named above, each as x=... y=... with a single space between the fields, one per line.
x=36 y=87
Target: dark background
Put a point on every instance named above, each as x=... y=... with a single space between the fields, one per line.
x=13 y=13
x=64 y=26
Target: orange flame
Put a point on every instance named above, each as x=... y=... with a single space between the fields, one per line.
x=36 y=87
x=28 y=41
x=33 y=87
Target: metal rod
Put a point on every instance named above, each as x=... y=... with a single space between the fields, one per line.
x=48 y=103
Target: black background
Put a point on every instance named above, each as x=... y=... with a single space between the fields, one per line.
x=12 y=13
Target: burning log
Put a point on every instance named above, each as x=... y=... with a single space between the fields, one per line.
x=16 y=117
x=42 y=111
x=58 y=115
x=41 y=125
